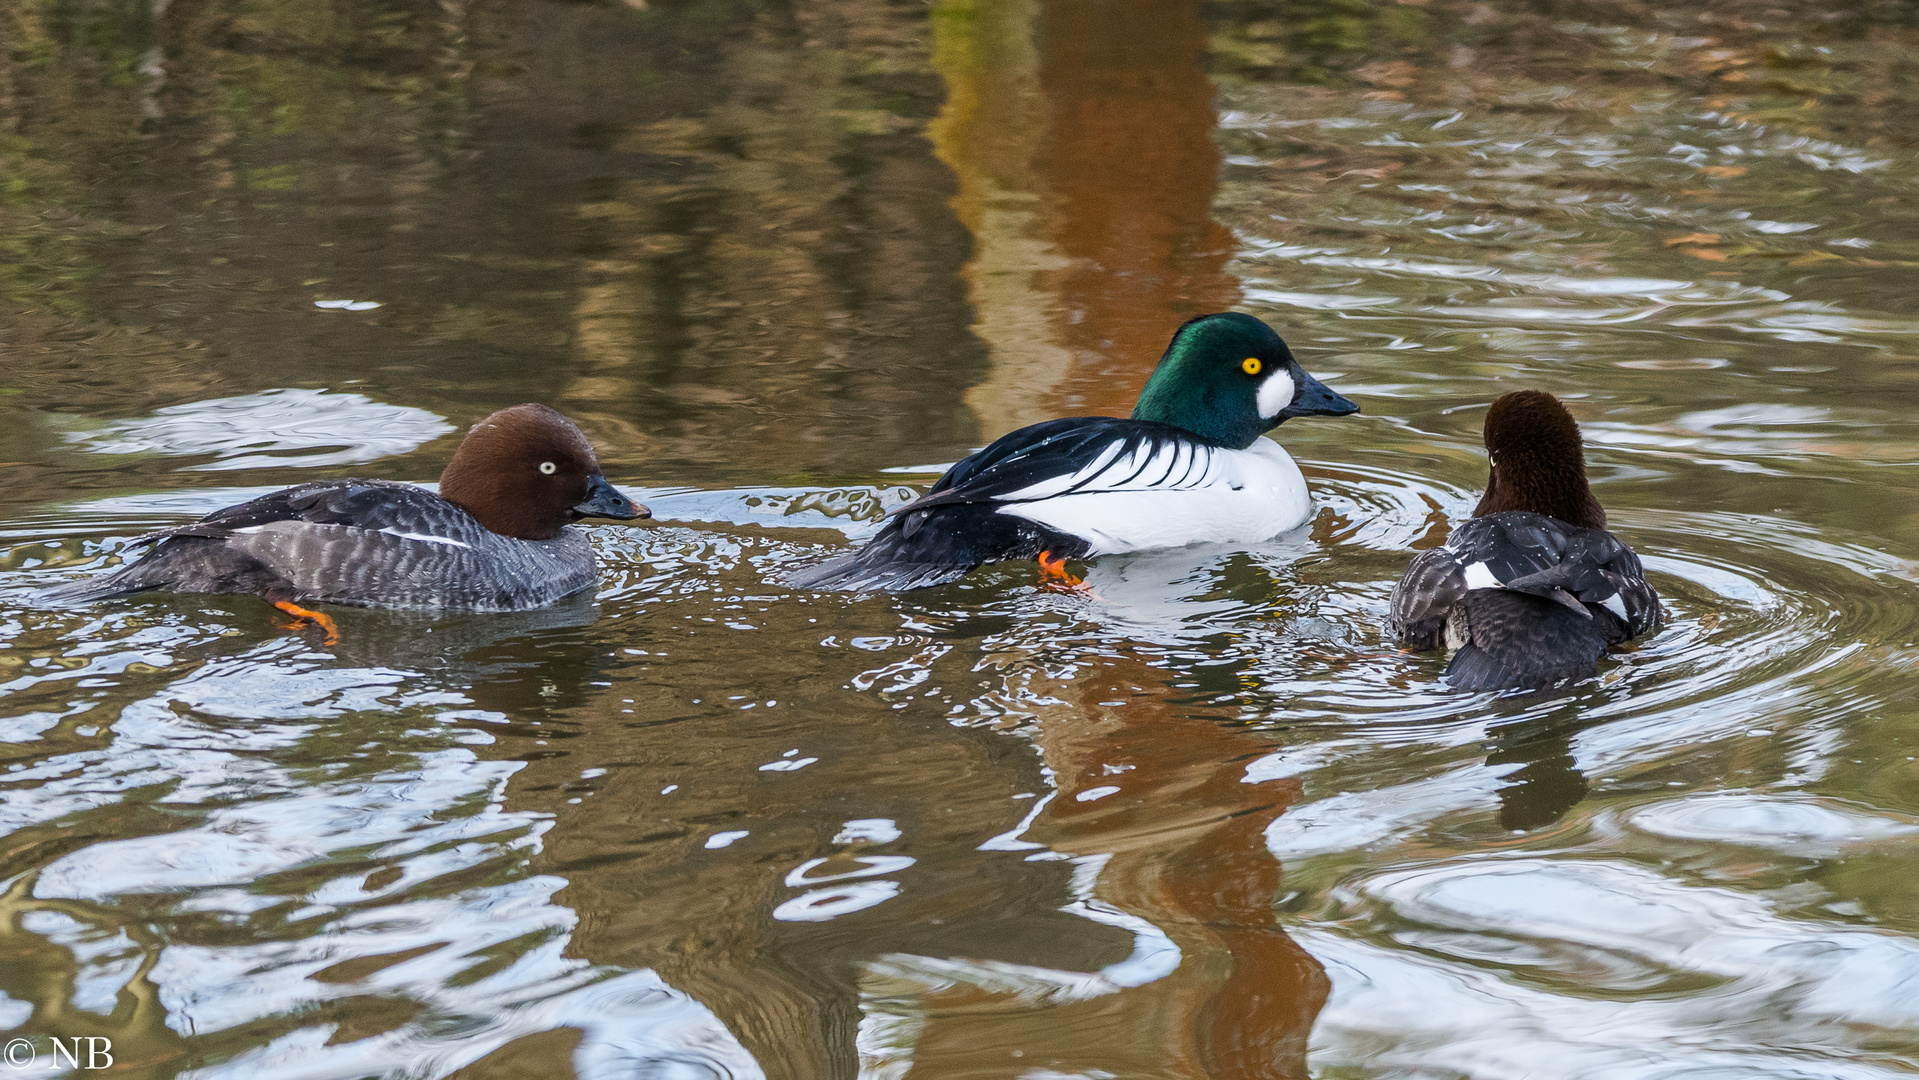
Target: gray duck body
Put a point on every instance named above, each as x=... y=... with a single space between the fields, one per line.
x=362 y=543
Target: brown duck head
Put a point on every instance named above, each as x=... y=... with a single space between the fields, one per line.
x=1539 y=461
x=527 y=472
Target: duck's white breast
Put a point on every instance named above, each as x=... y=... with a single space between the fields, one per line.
x=1244 y=496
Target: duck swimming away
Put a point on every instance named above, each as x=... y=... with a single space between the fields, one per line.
x=1533 y=589
x=496 y=538
x=1189 y=466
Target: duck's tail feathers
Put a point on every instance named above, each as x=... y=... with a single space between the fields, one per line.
x=1520 y=640
x=1473 y=668
x=182 y=562
x=927 y=546
x=920 y=549
x=894 y=561
x=137 y=575
x=122 y=582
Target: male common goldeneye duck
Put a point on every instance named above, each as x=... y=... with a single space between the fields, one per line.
x=1188 y=467
x=1533 y=589
x=494 y=539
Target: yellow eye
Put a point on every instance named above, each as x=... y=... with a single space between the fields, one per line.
x=1251 y=365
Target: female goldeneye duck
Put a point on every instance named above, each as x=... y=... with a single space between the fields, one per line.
x=1533 y=589
x=495 y=538
x=1188 y=467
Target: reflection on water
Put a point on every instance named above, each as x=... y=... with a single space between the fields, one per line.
x=1201 y=821
x=1082 y=137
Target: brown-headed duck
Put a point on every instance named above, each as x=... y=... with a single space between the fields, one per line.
x=1533 y=589
x=496 y=537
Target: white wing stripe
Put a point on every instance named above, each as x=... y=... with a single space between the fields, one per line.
x=1142 y=474
x=1173 y=462
x=1143 y=456
x=1241 y=496
x=1053 y=485
x=426 y=539
x=1106 y=455
x=1131 y=464
x=1126 y=476
x=1479 y=576
x=294 y=526
x=1182 y=464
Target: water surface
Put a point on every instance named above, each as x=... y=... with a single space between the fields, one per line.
x=783 y=261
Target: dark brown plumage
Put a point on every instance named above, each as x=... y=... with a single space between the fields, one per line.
x=496 y=474
x=1539 y=461
x=1533 y=589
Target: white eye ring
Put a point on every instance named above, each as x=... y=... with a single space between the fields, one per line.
x=548 y=468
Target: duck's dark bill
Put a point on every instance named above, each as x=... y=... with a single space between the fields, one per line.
x=603 y=500
x=1314 y=399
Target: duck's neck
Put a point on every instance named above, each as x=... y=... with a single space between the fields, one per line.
x=1560 y=492
x=520 y=514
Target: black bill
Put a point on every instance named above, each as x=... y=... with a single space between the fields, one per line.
x=1313 y=398
x=603 y=500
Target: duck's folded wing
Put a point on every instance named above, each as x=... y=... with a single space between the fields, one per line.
x=1628 y=577
x=379 y=505
x=1431 y=585
x=1077 y=455
x=1576 y=567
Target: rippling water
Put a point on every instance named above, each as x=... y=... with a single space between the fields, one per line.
x=782 y=261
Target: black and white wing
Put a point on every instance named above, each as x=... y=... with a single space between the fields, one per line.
x=1587 y=571
x=1075 y=456
x=957 y=525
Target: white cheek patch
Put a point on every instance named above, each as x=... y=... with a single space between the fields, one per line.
x=1479 y=577
x=1275 y=394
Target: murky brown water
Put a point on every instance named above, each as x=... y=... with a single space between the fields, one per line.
x=782 y=260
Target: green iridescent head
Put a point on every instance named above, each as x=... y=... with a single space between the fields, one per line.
x=1229 y=379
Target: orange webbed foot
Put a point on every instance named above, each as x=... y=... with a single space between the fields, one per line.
x=329 y=630
x=1053 y=573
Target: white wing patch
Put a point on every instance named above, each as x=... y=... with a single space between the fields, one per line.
x=426 y=539
x=1186 y=493
x=1480 y=576
x=1275 y=394
x=296 y=526
x=1054 y=485
x=1150 y=466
